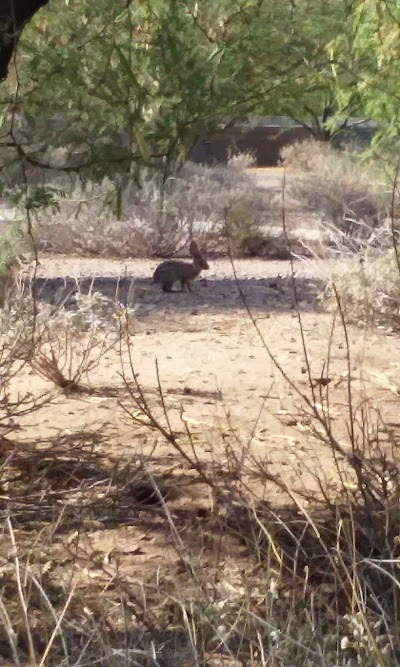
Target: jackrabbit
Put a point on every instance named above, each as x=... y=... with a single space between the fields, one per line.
x=173 y=270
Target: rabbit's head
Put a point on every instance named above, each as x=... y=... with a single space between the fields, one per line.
x=198 y=258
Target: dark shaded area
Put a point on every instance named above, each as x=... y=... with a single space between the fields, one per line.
x=217 y=295
x=38 y=476
x=14 y=15
x=266 y=142
x=65 y=291
x=189 y=393
x=305 y=546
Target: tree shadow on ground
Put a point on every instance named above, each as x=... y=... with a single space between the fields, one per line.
x=216 y=295
x=112 y=495
x=70 y=475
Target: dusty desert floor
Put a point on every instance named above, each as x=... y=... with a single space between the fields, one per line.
x=225 y=364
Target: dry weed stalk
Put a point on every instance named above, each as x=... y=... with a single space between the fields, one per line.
x=144 y=414
x=48 y=369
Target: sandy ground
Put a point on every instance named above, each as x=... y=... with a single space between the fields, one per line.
x=226 y=344
x=231 y=364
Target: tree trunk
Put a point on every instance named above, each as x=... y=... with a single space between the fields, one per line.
x=14 y=14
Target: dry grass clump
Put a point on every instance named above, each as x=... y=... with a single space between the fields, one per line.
x=346 y=192
x=157 y=217
x=242 y=160
x=8 y=265
x=301 y=155
x=62 y=338
x=369 y=290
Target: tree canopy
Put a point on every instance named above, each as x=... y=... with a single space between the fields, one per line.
x=102 y=87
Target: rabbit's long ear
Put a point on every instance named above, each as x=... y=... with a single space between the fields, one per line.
x=194 y=249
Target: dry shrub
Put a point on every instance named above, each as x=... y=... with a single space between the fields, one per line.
x=222 y=201
x=209 y=203
x=242 y=160
x=16 y=349
x=345 y=191
x=301 y=155
x=8 y=264
x=64 y=340
x=369 y=291
x=158 y=218
x=84 y=223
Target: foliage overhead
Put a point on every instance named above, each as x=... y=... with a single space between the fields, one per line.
x=105 y=88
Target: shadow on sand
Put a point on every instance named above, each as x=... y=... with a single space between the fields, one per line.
x=215 y=295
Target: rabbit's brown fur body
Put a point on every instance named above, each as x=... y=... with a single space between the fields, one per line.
x=173 y=270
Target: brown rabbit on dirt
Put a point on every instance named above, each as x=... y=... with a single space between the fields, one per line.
x=173 y=270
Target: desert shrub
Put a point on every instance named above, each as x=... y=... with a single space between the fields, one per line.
x=221 y=201
x=83 y=223
x=301 y=155
x=8 y=263
x=369 y=291
x=242 y=160
x=346 y=192
x=158 y=219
